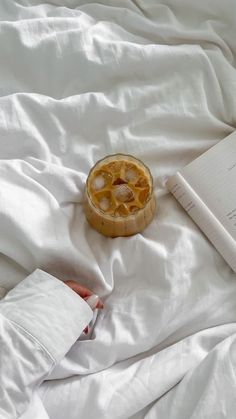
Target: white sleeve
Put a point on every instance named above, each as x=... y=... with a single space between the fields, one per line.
x=40 y=319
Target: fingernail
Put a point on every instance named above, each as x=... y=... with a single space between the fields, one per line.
x=92 y=301
x=86 y=330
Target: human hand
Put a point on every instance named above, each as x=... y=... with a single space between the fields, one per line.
x=85 y=293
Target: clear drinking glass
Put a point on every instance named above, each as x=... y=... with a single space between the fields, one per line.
x=119 y=198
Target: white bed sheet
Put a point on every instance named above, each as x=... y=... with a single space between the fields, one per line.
x=82 y=79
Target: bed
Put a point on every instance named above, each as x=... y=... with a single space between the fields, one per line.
x=81 y=80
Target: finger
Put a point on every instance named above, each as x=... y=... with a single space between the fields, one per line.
x=94 y=302
x=100 y=304
x=86 y=330
x=83 y=291
x=79 y=289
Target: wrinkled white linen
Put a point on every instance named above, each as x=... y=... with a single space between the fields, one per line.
x=82 y=79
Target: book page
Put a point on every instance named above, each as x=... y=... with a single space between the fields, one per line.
x=213 y=178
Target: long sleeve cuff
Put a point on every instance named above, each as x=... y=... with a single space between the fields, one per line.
x=40 y=319
x=48 y=310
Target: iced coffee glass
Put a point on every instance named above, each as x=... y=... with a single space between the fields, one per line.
x=119 y=199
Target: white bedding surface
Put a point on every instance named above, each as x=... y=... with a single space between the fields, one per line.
x=80 y=80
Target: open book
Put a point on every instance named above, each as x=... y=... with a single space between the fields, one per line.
x=206 y=188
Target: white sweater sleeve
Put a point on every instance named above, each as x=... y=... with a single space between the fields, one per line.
x=40 y=319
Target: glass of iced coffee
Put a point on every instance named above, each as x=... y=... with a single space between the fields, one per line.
x=119 y=198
